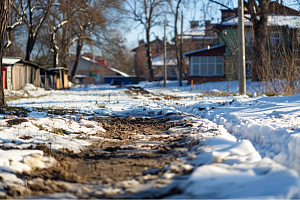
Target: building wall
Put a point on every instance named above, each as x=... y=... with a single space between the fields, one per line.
x=95 y=73
x=140 y=56
x=32 y=75
x=22 y=74
x=171 y=72
x=217 y=51
x=18 y=78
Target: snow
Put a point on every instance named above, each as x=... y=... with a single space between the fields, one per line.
x=291 y=21
x=245 y=147
x=159 y=60
x=259 y=180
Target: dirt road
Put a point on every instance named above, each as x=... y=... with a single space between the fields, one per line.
x=132 y=157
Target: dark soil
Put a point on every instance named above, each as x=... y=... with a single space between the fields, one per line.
x=16 y=121
x=115 y=158
x=16 y=111
x=127 y=128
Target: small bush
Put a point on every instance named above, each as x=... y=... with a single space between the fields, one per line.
x=271 y=94
x=59 y=131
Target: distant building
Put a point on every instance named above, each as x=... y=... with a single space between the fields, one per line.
x=140 y=57
x=206 y=65
x=172 y=69
x=92 y=71
x=284 y=39
x=196 y=37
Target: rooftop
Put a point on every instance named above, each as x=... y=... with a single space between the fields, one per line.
x=292 y=21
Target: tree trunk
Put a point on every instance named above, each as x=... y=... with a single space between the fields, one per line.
x=3 y=25
x=76 y=63
x=177 y=43
x=149 y=56
x=55 y=57
x=54 y=50
x=29 y=46
x=9 y=49
x=259 y=17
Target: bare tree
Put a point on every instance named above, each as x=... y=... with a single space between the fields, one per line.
x=175 y=10
x=14 y=21
x=146 y=13
x=73 y=24
x=33 y=13
x=64 y=37
x=3 y=25
x=55 y=21
x=116 y=53
x=90 y=17
x=259 y=10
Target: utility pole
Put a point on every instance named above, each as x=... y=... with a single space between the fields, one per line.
x=181 y=59
x=241 y=58
x=165 y=55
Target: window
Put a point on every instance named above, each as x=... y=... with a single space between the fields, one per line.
x=275 y=39
x=206 y=66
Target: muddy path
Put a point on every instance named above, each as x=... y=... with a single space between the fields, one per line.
x=132 y=151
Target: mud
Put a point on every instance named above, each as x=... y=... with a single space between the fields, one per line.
x=14 y=111
x=128 y=128
x=131 y=148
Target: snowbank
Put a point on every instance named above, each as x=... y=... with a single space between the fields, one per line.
x=229 y=168
x=28 y=90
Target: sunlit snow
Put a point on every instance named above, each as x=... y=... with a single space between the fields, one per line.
x=247 y=147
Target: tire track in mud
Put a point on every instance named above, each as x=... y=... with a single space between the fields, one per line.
x=138 y=150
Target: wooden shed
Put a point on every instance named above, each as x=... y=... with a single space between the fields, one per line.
x=61 y=79
x=18 y=73
x=48 y=78
x=55 y=78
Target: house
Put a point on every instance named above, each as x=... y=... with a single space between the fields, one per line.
x=206 y=65
x=158 y=65
x=284 y=37
x=140 y=57
x=16 y=73
x=91 y=71
x=198 y=36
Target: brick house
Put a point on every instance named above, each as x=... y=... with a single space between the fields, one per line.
x=140 y=57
